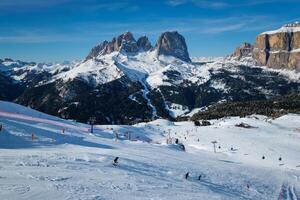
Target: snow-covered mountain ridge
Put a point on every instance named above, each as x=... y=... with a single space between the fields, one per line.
x=145 y=82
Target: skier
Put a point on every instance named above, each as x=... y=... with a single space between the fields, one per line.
x=199 y=177
x=263 y=157
x=1 y=127
x=248 y=186
x=115 y=163
x=219 y=147
x=176 y=141
x=32 y=136
x=182 y=147
x=187 y=175
x=280 y=159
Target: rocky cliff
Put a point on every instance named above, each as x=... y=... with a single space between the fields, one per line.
x=279 y=49
x=173 y=44
x=244 y=50
x=169 y=44
x=125 y=42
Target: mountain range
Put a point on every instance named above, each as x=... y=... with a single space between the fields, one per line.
x=125 y=80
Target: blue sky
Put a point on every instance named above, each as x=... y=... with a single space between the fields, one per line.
x=59 y=30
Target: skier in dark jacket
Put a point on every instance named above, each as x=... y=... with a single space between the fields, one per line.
x=187 y=175
x=115 y=163
x=1 y=127
x=199 y=177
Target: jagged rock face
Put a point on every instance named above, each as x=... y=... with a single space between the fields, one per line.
x=169 y=43
x=173 y=44
x=295 y=43
x=144 y=44
x=101 y=49
x=127 y=43
x=243 y=51
x=279 y=49
x=124 y=42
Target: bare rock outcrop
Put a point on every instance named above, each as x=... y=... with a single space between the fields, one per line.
x=124 y=42
x=279 y=49
x=244 y=50
x=144 y=44
x=169 y=44
x=173 y=44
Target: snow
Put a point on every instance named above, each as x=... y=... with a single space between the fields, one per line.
x=291 y=75
x=295 y=27
x=176 y=110
x=76 y=164
x=218 y=85
x=285 y=51
x=295 y=50
x=150 y=70
x=195 y=110
x=92 y=71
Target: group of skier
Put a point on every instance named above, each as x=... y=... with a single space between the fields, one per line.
x=187 y=175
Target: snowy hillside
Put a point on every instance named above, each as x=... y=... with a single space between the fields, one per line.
x=44 y=157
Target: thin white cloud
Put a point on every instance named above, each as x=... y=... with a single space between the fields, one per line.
x=219 y=4
x=83 y=5
x=224 y=28
x=96 y=32
x=199 y=3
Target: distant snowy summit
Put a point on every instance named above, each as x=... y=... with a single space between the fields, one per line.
x=295 y=24
x=169 y=43
x=287 y=28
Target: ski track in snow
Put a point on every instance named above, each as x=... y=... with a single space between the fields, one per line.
x=145 y=93
x=35 y=119
x=72 y=166
x=288 y=192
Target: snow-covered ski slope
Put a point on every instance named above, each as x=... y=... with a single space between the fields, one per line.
x=65 y=161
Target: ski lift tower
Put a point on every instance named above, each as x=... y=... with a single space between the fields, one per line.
x=92 y=121
x=214 y=143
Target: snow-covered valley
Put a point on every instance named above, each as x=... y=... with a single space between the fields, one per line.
x=44 y=157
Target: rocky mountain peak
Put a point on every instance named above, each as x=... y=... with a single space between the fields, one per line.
x=144 y=43
x=124 y=42
x=243 y=51
x=173 y=44
x=127 y=36
x=280 y=48
x=169 y=43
